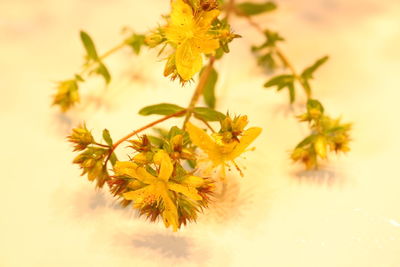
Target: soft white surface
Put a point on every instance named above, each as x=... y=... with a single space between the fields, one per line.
x=346 y=215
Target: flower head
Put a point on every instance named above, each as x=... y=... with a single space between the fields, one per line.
x=188 y=31
x=159 y=193
x=228 y=144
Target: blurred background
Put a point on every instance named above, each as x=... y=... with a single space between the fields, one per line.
x=346 y=214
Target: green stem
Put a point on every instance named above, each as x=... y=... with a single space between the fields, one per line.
x=199 y=90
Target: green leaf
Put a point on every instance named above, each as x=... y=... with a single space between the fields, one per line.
x=208 y=114
x=161 y=109
x=271 y=39
x=136 y=41
x=209 y=88
x=308 y=72
x=107 y=137
x=113 y=158
x=103 y=71
x=306 y=141
x=250 y=9
x=267 y=61
x=89 y=46
x=158 y=142
x=281 y=82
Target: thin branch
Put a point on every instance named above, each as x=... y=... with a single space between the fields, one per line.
x=199 y=90
x=177 y=114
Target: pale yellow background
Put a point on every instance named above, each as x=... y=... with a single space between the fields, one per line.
x=347 y=215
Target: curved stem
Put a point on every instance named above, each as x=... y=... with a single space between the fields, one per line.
x=199 y=90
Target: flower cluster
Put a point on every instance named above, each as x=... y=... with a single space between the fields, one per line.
x=326 y=134
x=192 y=30
x=161 y=178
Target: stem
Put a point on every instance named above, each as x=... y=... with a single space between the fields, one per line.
x=101 y=145
x=208 y=125
x=176 y=114
x=199 y=90
x=283 y=57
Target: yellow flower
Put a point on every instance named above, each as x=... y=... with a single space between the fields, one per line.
x=159 y=188
x=218 y=151
x=188 y=31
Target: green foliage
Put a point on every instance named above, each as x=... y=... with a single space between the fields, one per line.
x=265 y=53
x=281 y=82
x=107 y=137
x=136 y=41
x=251 y=9
x=161 y=109
x=209 y=88
x=272 y=38
x=103 y=71
x=308 y=72
x=208 y=114
x=89 y=46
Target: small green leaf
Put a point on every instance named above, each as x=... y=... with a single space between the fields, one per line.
x=208 y=114
x=267 y=61
x=308 y=72
x=251 y=9
x=79 y=78
x=107 y=137
x=281 y=82
x=103 y=71
x=113 y=158
x=158 y=142
x=306 y=141
x=161 y=109
x=209 y=88
x=136 y=41
x=89 y=46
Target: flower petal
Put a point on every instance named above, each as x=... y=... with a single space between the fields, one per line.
x=140 y=194
x=192 y=180
x=163 y=160
x=132 y=170
x=170 y=213
x=181 y=13
x=206 y=18
x=204 y=141
x=248 y=137
x=188 y=191
x=188 y=60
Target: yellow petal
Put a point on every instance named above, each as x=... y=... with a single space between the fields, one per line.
x=206 y=18
x=170 y=213
x=144 y=176
x=140 y=194
x=206 y=46
x=204 y=141
x=194 y=181
x=188 y=60
x=127 y=168
x=181 y=13
x=188 y=191
x=164 y=161
x=248 y=137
